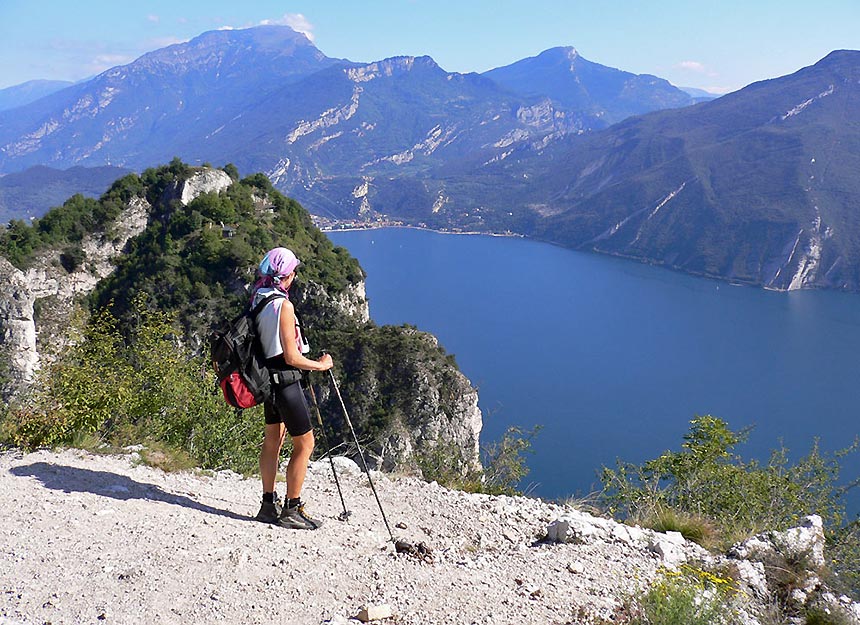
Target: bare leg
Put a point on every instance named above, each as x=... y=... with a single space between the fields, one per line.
x=298 y=466
x=269 y=455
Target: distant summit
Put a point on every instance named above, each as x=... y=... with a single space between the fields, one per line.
x=277 y=52
x=147 y=111
x=700 y=95
x=606 y=94
x=30 y=91
x=758 y=186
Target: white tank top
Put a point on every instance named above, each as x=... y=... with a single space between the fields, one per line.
x=269 y=326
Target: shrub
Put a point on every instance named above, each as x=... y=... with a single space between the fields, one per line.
x=692 y=527
x=706 y=479
x=504 y=461
x=742 y=497
x=504 y=465
x=830 y=615
x=689 y=596
x=142 y=386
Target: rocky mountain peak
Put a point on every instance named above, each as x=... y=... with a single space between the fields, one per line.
x=265 y=40
x=560 y=53
x=276 y=50
x=390 y=67
x=604 y=95
x=841 y=56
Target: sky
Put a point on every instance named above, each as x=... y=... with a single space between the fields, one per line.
x=718 y=45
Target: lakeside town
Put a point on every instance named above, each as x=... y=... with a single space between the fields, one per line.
x=328 y=224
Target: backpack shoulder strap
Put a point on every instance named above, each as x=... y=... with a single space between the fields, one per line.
x=259 y=307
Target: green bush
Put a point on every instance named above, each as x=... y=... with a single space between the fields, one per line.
x=185 y=264
x=707 y=480
x=689 y=596
x=504 y=461
x=742 y=497
x=65 y=226
x=136 y=386
x=830 y=615
x=504 y=465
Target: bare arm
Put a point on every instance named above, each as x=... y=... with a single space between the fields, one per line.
x=292 y=355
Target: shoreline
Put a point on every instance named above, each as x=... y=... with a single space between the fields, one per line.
x=357 y=228
x=730 y=281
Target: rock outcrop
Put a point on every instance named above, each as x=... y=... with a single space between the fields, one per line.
x=204 y=181
x=783 y=567
x=441 y=417
x=28 y=338
x=350 y=303
x=789 y=565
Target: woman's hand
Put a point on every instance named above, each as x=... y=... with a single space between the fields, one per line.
x=326 y=362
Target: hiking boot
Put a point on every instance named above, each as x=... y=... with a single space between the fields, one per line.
x=270 y=512
x=295 y=519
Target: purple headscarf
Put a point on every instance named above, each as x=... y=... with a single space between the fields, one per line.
x=276 y=264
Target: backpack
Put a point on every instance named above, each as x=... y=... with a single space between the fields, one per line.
x=239 y=362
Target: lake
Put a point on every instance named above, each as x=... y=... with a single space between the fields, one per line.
x=612 y=357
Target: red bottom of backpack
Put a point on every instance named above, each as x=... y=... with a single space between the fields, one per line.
x=236 y=393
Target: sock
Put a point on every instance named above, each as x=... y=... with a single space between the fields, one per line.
x=292 y=503
x=269 y=497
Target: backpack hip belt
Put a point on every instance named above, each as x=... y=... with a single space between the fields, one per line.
x=282 y=378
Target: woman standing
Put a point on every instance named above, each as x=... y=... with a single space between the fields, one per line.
x=287 y=408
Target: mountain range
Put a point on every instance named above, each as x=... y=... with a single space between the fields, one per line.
x=266 y=99
x=755 y=186
x=758 y=186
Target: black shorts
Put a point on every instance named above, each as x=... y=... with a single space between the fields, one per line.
x=288 y=405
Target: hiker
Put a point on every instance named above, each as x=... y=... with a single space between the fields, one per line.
x=287 y=408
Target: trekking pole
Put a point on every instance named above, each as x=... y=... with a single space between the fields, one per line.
x=361 y=456
x=343 y=516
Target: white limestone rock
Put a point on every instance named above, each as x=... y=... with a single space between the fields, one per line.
x=375 y=613
x=630 y=534
x=752 y=576
x=578 y=527
x=205 y=181
x=805 y=542
x=669 y=551
x=800 y=549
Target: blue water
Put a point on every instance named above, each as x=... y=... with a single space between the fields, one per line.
x=613 y=358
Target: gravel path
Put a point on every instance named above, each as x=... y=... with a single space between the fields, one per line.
x=101 y=539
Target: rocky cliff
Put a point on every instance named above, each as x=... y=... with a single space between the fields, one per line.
x=190 y=253
x=28 y=336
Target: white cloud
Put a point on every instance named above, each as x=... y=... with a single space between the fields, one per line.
x=153 y=18
x=101 y=62
x=296 y=21
x=693 y=66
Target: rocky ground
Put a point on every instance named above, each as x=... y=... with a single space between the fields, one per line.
x=102 y=539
